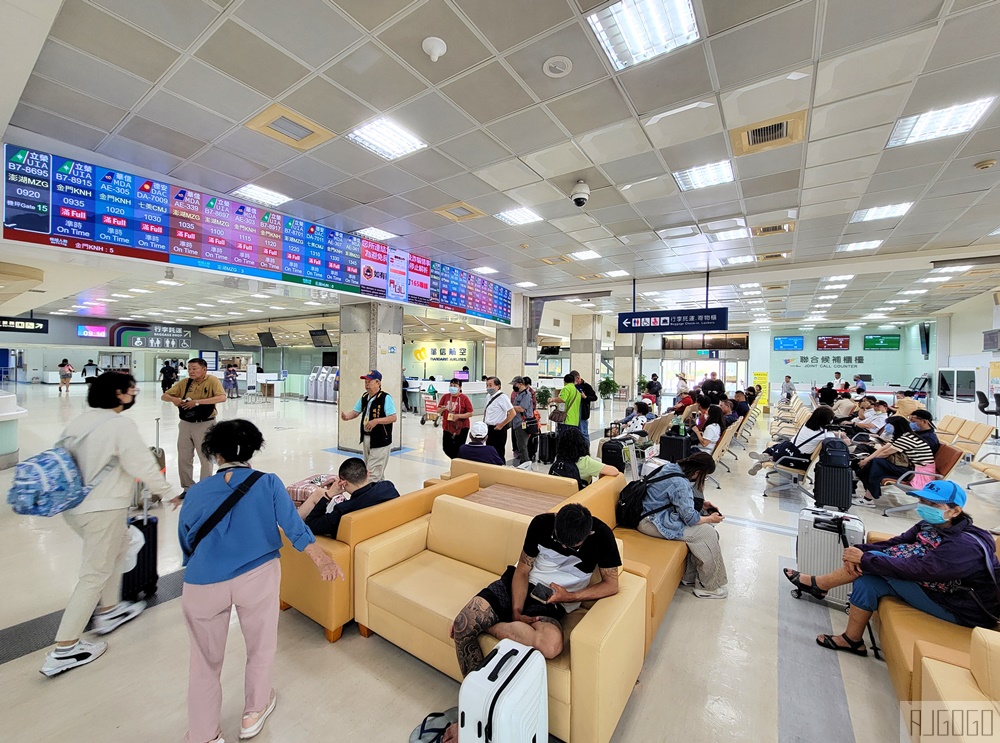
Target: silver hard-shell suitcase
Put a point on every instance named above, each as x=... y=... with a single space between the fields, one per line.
x=823 y=536
x=507 y=700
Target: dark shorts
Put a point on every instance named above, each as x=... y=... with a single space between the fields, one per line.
x=498 y=595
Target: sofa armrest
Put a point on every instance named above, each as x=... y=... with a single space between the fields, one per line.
x=606 y=652
x=326 y=603
x=437 y=480
x=926 y=649
x=382 y=552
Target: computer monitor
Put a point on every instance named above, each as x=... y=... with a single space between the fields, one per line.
x=227 y=342
x=462 y=376
x=919 y=383
x=267 y=340
x=320 y=339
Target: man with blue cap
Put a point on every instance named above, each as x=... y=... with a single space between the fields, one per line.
x=378 y=413
x=943 y=566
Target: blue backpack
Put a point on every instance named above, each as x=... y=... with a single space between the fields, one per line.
x=51 y=482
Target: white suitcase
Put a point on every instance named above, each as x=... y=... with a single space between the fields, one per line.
x=507 y=700
x=819 y=549
x=652 y=464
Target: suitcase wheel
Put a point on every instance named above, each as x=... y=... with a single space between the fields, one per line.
x=423 y=419
x=437 y=422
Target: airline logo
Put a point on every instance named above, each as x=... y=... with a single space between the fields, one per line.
x=67 y=167
x=311 y=230
x=181 y=195
x=211 y=203
x=240 y=211
x=109 y=177
x=146 y=187
x=19 y=157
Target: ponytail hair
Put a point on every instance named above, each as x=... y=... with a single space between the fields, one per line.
x=234 y=440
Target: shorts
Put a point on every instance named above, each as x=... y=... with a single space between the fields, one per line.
x=65 y=376
x=498 y=595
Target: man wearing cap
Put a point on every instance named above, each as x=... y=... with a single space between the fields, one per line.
x=906 y=403
x=922 y=424
x=653 y=387
x=587 y=396
x=524 y=411
x=378 y=413
x=860 y=387
x=477 y=450
x=682 y=384
x=497 y=415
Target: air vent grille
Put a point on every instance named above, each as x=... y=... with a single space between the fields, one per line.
x=590 y=277
x=768 y=134
x=773 y=229
x=459 y=212
x=555 y=260
x=771 y=257
x=288 y=127
x=774 y=288
x=284 y=125
x=764 y=134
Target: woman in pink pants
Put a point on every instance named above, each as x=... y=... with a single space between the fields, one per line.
x=229 y=533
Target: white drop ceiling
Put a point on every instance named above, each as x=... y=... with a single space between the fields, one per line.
x=168 y=87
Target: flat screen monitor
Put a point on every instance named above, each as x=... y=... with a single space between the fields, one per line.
x=227 y=342
x=462 y=376
x=833 y=343
x=320 y=339
x=881 y=342
x=789 y=343
x=919 y=383
x=267 y=340
x=548 y=351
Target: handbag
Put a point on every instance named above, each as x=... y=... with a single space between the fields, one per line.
x=558 y=412
x=197 y=414
x=220 y=513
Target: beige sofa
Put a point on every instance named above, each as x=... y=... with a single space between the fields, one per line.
x=412 y=581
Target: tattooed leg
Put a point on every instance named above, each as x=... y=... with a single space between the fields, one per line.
x=477 y=617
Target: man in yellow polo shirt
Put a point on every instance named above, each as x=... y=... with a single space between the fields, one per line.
x=195 y=399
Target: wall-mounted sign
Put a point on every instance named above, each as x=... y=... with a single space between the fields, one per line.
x=20 y=325
x=674 y=321
x=91 y=331
x=440 y=353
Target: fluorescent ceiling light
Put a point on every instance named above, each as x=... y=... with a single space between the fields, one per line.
x=572 y=299
x=518 y=216
x=876 y=316
x=704 y=176
x=897 y=301
x=942 y=122
x=829 y=296
x=761 y=319
x=122 y=296
x=225 y=301
x=738 y=234
x=886 y=327
x=935 y=279
x=881 y=212
x=204 y=304
x=915 y=291
x=261 y=296
x=751 y=294
x=141 y=291
x=484 y=270
x=182 y=307
x=234 y=313
x=632 y=31
x=616 y=274
x=831 y=287
x=314 y=304
x=842 y=277
x=822 y=305
x=258 y=195
x=738 y=260
x=276 y=307
x=588 y=304
x=995 y=232
x=605 y=312
x=852 y=327
x=386 y=139
x=749 y=286
x=854 y=247
x=168 y=282
x=753 y=301
x=374 y=233
x=525 y=284
x=586 y=255
x=255 y=311
x=884 y=309
x=946 y=269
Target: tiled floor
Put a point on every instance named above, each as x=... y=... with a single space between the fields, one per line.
x=743 y=669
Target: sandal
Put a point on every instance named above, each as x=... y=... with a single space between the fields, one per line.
x=813 y=590
x=856 y=647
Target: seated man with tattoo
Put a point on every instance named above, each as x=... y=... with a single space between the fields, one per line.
x=551 y=579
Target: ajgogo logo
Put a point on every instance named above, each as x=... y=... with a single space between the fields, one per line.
x=420 y=354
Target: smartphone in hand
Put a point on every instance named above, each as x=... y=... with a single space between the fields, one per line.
x=542 y=593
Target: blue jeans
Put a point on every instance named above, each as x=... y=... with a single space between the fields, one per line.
x=868 y=589
x=585 y=430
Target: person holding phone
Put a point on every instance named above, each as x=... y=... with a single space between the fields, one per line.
x=323 y=509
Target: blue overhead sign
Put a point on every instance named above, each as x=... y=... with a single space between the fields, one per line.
x=674 y=321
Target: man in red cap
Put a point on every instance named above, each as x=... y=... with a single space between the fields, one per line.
x=378 y=413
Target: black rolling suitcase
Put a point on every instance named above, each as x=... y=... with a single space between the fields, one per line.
x=142 y=579
x=833 y=479
x=546 y=448
x=673 y=447
x=613 y=453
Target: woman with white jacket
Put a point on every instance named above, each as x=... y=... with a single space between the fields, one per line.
x=111 y=456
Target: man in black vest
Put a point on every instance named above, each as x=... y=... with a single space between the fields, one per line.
x=378 y=413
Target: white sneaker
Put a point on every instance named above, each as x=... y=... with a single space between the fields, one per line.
x=261 y=717
x=756 y=455
x=62 y=660
x=719 y=593
x=863 y=502
x=125 y=611
x=687 y=582
x=755 y=469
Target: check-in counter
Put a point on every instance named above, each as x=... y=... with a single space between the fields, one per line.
x=10 y=414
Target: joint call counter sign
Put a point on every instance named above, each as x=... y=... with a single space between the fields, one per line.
x=20 y=325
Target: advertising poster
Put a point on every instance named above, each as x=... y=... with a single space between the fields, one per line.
x=419 y=280
x=397 y=264
x=761 y=379
x=373 y=268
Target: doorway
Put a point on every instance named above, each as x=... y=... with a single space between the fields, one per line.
x=732 y=371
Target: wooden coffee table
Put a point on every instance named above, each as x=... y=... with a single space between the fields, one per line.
x=518 y=500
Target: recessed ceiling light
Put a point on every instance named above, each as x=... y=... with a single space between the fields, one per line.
x=855 y=247
x=852 y=327
x=120 y=318
x=122 y=296
x=234 y=313
x=915 y=291
x=875 y=316
x=704 y=176
x=314 y=304
x=588 y=304
x=182 y=307
x=749 y=286
x=884 y=309
x=935 y=279
x=897 y=301
x=761 y=320
x=953 y=269
x=718 y=237
x=605 y=312
x=276 y=307
x=255 y=311
x=585 y=255
x=141 y=291
x=829 y=296
x=753 y=301
x=616 y=274
x=572 y=299
x=259 y=195
x=204 y=304
x=518 y=216
x=373 y=233
x=822 y=305
x=484 y=270
x=738 y=260
x=225 y=301
x=881 y=212
x=525 y=284
x=751 y=294
x=168 y=282
x=995 y=232
x=198 y=317
x=261 y=296
x=831 y=287
x=807 y=327
x=842 y=277
x=632 y=31
x=386 y=139
x=155 y=314
x=942 y=122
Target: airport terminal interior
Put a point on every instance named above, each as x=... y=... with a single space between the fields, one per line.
x=305 y=191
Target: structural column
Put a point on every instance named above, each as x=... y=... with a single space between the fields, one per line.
x=371 y=337
x=626 y=363
x=511 y=353
x=585 y=347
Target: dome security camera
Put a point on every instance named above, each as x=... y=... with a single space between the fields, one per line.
x=581 y=194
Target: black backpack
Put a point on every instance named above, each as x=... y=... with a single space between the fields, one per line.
x=835 y=454
x=628 y=509
x=566 y=468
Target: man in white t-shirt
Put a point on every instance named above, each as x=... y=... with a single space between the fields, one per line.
x=497 y=415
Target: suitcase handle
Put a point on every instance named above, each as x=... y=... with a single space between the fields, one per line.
x=836 y=525
x=495 y=673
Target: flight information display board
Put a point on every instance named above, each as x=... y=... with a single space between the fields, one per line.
x=55 y=201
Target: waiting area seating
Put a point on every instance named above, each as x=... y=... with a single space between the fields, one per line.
x=967 y=435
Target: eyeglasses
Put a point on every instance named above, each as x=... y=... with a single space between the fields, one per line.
x=561 y=543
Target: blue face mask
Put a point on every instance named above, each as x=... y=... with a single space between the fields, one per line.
x=453 y=390
x=914 y=426
x=888 y=430
x=930 y=514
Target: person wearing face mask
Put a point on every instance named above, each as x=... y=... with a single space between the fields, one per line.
x=524 y=419
x=922 y=424
x=112 y=456
x=456 y=409
x=943 y=566
x=903 y=452
x=497 y=415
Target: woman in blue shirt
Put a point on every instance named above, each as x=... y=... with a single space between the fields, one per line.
x=235 y=563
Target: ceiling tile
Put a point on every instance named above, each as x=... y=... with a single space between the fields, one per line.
x=285 y=184
x=358 y=190
x=697 y=152
x=249 y=59
x=59 y=99
x=553 y=161
x=396 y=206
x=922 y=153
x=984 y=141
x=773 y=43
x=520 y=20
x=178 y=22
x=895 y=196
x=635 y=168
x=881 y=18
x=375 y=77
x=310 y=29
x=845 y=170
x=50 y=125
x=712 y=195
x=646 y=189
x=590 y=108
x=488 y=93
x=694 y=121
x=88 y=29
x=770 y=161
x=834 y=192
x=770 y=183
x=89 y=76
x=899 y=178
x=973 y=184
x=138 y=154
x=349 y=157
x=474 y=149
x=571 y=42
x=965 y=37
x=315 y=172
x=329 y=201
x=678 y=76
x=152 y=134
x=429 y=220
x=615 y=142
x=203 y=84
x=392 y=179
x=535 y=193
x=373 y=13
x=509 y=174
x=434 y=18
x=954 y=85
x=432 y=118
x=527 y=130
x=464 y=186
x=167 y=109
x=257 y=147
x=813 y=211
x=230 y=164
x=714 y=210
x=328 y=106
x=205 y=178
x=429 y=165
x=847 y=146
x=772 y=202
x=725 y=14
x=862 y=112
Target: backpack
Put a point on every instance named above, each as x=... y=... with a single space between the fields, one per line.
x=566 y=468
x=835 y=454
x=628 y=509
x=51 y=482
x=791 y=453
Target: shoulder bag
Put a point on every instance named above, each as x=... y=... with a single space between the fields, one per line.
x=220 y=513
x=197 y=414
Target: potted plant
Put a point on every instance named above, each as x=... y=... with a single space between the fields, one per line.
x=640 y=385
x=607 y=387
x=542 y=396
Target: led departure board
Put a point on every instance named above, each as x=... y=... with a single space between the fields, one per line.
x=55 y=201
